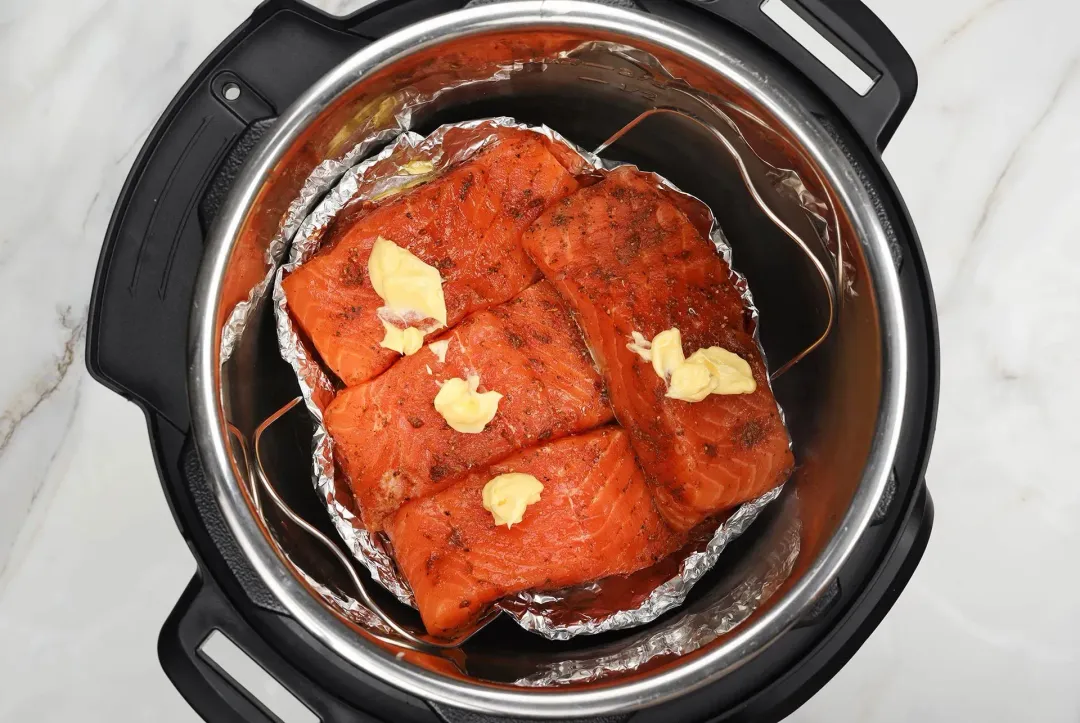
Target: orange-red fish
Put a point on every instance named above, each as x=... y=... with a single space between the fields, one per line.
x=595 y=518
x=626 y=258
x=466 y=223
x=392 y=444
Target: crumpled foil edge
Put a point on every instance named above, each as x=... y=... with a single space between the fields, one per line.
x=695 y=630
x=317 y=389
x=670 y=593
x=684 y=636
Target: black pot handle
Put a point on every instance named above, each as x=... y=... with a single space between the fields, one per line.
x=138 y=320
x=212 y=692
x=857 y=32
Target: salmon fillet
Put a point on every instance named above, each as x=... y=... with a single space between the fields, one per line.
x=467 y=223
x=626 y=258
x=595 y=518
x=394 y=446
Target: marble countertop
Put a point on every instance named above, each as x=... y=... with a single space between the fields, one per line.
x=988 y=160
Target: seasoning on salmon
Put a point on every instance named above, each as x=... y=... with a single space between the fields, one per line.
x=627 y=259
x=393 y=445
x=466 y=223
x=595 y=518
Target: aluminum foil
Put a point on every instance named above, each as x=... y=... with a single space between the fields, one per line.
x=335 y=184
x=392 y=170
x=402 y=164
x=696 y=629
x=539 y=610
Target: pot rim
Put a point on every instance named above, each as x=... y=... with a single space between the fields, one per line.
x=208 y=421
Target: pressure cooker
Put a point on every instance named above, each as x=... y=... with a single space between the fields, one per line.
x=271 y=106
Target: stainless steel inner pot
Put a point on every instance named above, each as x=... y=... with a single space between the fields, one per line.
x=843 y=403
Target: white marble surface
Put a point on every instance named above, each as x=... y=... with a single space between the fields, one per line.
x=988 y=159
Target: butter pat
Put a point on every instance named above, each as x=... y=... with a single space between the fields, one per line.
x=714 y=370
x=507 y=496
x=411 y=289
x=667 y=353
x=690 y=383
x=465 y=409
x=729 y=372
x=405 y=341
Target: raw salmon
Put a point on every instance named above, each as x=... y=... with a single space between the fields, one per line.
x=626 y=258
x=394 y=446
x=595 y=518
x=467 y=223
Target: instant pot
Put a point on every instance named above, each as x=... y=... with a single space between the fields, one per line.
x=282 y=97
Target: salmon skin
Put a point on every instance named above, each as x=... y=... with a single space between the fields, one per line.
x=626 y=258
x=393 y=446
x=467 y=223
x=595 y=518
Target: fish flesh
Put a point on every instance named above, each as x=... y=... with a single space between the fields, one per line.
x=466 y=223
x=626 y=258
x=394 y=446
x=595 y=518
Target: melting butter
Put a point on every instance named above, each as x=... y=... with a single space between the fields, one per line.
x=507 y=495
x=714 y=370
x=418 y=168
x=375 y=115
x=667 y=355
x=729 y=372
x=405 y=341
x=412 y=292
x=465 y=409
x=412 y=168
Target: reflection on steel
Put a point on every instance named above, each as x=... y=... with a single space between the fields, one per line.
x=406 y=638
x=253 y=489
